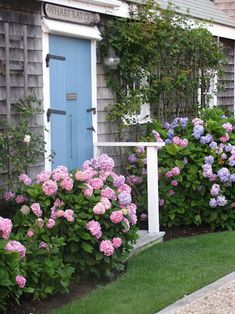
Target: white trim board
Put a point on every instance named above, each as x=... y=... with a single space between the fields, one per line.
x=70 y=30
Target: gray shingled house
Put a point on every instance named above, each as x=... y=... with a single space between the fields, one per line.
x=52 y=48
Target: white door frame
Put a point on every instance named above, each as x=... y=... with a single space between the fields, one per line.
x=70 y=30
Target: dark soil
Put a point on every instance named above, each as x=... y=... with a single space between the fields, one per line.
x=84 y=286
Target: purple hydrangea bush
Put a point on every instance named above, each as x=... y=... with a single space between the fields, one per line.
x=196 y=171
x=83 y=221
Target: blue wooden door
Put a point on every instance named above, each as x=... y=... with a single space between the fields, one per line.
x=70 y=98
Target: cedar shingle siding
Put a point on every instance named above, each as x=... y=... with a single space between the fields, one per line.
x=20 y=58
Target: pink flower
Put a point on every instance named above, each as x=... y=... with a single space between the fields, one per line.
x=118 y=181
x=49 y=187
x=43 y=176
x=104 y=175
x=59 y=213
x=9 y=195
x=157 y=136
x=25 y=179
x=43 y=245
x=105 y=201
x=30 y=233
x=116 y=216
x=161 y=202
x=68 y=214
x=25 y=210
x=40 y=222
x=36 y=209
x=176 y=140
x=174 y=182
x=109 y=193
x=5 y=227
x=88 y=191
x=170 y=192
x=58 y=203
x=124 y=188
x=184 y=143
x=143 y=217
x=21 y=281
x=197 y=121
x=50 y=223
x=132 y=213
x=99 y=209
x=127 y=225
x=96 y=183
x=81 y=175
x=175 y=171
x=94 y=228
x=225 y=138
x=67 y=184
x=60 y=173
x=15 y=246
x=106 y=247
x=228 y=127
x=105 y=162
x=20 y=199
x=53 y=212
x=169 y=174
x=117 y=242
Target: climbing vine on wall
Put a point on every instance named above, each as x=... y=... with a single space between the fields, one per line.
x=166 y=60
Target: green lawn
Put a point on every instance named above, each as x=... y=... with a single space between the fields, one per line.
x=161 y=275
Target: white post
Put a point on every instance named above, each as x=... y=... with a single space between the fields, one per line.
x=152 y=178
x=152 y=185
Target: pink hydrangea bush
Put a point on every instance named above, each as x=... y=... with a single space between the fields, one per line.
x=11 y=255
x=83 y=220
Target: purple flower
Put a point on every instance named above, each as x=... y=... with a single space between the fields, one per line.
x=206 y=139
x=132 y=158
x=124 y=198
x=213 y=145
x=183 y=122
x=185 y=160
x=209 y=160
x=198 y=130
x=232 y=178
x=168 y=141
x=170 y=133
x=224 y=156
x=166 y=125
x=231 y=163
x=215 y=189
x=221 y=200
x=223 y=174
x=228 y=148
x=213 y=203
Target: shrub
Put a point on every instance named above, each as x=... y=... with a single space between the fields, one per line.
x=83 y=220
x=196 y=171
x=11 y=279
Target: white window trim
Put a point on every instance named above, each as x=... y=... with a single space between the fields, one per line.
x=71 y=30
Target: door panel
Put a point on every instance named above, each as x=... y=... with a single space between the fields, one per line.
x=70 y=84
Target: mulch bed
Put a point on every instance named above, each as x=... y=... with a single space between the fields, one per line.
x=86 y=285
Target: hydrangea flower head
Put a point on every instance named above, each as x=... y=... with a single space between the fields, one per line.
x=106 y=247
x=5 y=227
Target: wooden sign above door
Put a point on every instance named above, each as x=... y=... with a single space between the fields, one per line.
x=58 y=12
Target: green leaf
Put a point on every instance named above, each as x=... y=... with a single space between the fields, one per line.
x=171 y=149
x=179 y=163
x=86 y=247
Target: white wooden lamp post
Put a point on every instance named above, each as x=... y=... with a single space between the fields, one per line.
x=152 y=178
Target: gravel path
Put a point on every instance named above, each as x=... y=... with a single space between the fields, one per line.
x=220 y=301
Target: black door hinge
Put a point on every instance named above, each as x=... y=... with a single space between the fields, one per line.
x=49 y=56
